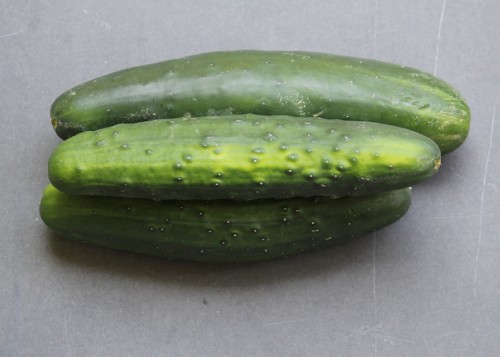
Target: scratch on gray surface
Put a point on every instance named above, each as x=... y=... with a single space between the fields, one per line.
x=375 y=25
x=449 y=340
x=67 y=342
x=448 y=333
x=12 y=34
x=483 y=190
x=374 y=285
x=363 y=330
x=391 y=339
x=101 y=22
x=377 y=333
x=493 y=186
x=374 y=276
x=284 y=322
x=16 y=323
x=42 y=18
x=96 y=18
x=436 y=59
x=464 y=217
x=375 y=270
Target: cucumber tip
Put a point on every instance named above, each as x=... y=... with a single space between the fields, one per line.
x=54 y=122
x=437 y=164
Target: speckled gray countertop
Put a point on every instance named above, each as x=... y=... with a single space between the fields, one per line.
x=427 y=286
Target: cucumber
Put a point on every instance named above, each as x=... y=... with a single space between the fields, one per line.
x=299 y=84
x=222 y=230
x=242 y=157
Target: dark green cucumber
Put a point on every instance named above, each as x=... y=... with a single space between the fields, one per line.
x=219 y=231
x=268 y=83
x=242 y=157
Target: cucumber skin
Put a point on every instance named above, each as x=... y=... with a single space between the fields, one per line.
x=300 y=84
x=242 y=157
x=219 y=231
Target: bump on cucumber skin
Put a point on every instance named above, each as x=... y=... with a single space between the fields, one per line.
x=268 y=83
x=219 y=231
x=242 y=157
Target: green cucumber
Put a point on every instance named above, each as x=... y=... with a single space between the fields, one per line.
x=299 y=84
x=242 y=157
x=221 y=230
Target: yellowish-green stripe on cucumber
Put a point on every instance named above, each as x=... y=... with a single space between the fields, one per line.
x=299 y=84
x=242 y=157
x=221 y=230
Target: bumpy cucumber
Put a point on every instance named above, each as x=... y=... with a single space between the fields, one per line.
x=268 y=83
x=219 y=231
x=242 y=157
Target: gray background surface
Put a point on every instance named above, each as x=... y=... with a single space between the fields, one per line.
x=426 y=286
